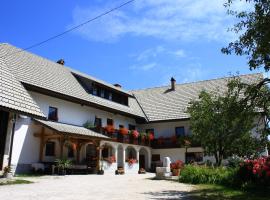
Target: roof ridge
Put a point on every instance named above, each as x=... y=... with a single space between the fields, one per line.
x=226 y=77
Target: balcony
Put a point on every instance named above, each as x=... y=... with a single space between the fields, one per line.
x=174 y=142
x=127 y=137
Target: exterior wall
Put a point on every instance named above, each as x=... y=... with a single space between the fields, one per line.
x=25 y=145
x=175 y=153
x=72 y=113
x=165 y=129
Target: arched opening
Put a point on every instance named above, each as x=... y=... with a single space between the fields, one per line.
x=131 y=154
x=91 y=155
x=143 y=159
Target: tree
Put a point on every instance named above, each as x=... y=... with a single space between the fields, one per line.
x=222 y=123
x=254 y=28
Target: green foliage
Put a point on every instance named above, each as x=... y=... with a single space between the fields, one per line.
x=63 y=163
x=222 y=123
x=253 y=28
x=208 y=175
x=89 y=124
x=16 y=181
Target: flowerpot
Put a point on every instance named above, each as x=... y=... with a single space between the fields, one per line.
x=8 y=175
x=176 y=172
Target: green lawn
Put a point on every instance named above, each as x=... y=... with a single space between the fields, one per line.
x=216 y=192
x=15 y=181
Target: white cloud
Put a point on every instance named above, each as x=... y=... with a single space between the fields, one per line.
x=155 y=52
x=185 y=74
x=162 y=19
x=179 y=53
x=144 y=67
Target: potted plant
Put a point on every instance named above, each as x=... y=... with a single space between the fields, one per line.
x=176 y=167
x=109 y=129
x=131 y=161
x=123 y=131
x=7 y=172
x=62 y=165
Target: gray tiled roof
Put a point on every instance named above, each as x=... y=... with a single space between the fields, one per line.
x=161 y=103
x=13 y=96
x=40 y=72
x=70 y=129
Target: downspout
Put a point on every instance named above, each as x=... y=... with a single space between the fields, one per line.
x=11 y=140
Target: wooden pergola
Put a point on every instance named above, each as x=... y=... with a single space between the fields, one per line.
x=57 y=131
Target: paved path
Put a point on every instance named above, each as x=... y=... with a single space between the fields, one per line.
x=96 y=187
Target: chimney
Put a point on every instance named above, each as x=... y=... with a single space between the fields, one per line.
x=173 y=83
x=61 y=62
x=117 y=85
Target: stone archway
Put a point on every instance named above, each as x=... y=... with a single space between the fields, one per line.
x=144 y=159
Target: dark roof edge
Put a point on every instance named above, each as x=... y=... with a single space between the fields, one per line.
x=7 y=109
x=167 y=120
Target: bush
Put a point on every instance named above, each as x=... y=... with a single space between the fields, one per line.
x=208 y=175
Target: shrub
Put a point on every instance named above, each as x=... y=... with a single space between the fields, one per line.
x=208 y=175
x=255 y=171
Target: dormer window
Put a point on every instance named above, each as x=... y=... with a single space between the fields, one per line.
x=102 y=93
x=95 y=91
x=110 y=96
x=53 y=114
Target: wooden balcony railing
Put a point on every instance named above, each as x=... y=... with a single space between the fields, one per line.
x=128 y=139
x=173 y=142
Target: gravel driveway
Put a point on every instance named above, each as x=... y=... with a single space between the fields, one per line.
x=81 y=187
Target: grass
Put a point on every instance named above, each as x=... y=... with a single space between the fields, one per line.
x=29 y=175
x=217 y=192
x=15 y=181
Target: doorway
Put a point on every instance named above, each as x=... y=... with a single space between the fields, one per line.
x=3 y=134
x=142 y=161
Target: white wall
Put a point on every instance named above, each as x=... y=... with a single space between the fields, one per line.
x=72 y=113
x=165 y=129
x=175 y=153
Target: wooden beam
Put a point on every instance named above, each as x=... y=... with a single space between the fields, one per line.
x=41 y=144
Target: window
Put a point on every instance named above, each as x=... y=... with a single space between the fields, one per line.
x=70 y=152
x=98 y=122
x=110 y=96
x=53 y=114
x=95 y=91
x=180 y=131
x=131 y=127
x=194 y=157
x=102 y=93
x=109 y=122
x=50 y=149
x=121 y=126
x=155 y=157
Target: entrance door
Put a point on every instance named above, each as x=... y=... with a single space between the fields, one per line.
x=142 y=161
x=91 y=155
x=3 y=135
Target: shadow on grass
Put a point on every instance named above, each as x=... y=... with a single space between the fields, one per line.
x=210 y=192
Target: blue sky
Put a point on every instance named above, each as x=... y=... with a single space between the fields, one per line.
x=141 y=45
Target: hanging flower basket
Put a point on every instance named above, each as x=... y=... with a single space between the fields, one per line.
x=109 y=129
x=123 y=131
x=135 y=133
x=150 y=136
x=110 y=159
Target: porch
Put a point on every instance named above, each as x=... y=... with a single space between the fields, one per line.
x=88 y=150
